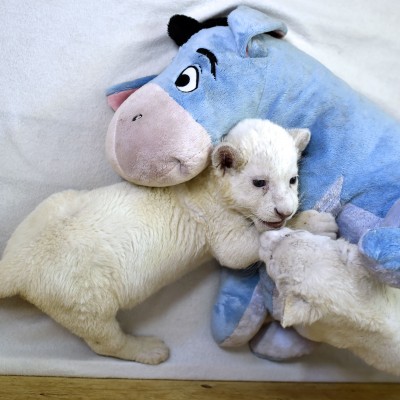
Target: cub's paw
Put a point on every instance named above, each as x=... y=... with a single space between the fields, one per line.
x=142 y=349
x=268 y=241
x=152 y=351
x=318 y=223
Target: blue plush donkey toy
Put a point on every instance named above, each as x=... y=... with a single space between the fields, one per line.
x=239 y=67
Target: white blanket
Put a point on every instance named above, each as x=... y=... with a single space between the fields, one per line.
x=57 y=59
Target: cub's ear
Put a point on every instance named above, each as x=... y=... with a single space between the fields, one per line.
x=301 y=137
x=225 y=157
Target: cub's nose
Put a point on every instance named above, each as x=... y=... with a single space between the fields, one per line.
x=282 y=213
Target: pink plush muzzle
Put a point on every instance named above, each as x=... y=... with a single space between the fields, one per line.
x=153 y=141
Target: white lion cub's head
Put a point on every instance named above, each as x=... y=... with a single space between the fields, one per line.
x=257 y=166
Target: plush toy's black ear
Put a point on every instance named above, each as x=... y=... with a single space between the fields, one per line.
x=181 y=27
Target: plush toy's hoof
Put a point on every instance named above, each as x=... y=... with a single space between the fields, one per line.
x=239 y=310
x=280 y=344
x=381 y=246
x=392 y=219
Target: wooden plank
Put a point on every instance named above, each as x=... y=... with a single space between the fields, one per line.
x=29 y=388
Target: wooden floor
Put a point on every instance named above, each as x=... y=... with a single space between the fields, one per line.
x=27 y=388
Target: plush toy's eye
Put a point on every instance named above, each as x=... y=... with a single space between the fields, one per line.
x=293 y=180
x=188 y=80
x=259 y=182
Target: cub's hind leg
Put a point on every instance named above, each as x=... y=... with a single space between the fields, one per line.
x=104 y=336
x=87 y=304
x=110 y=340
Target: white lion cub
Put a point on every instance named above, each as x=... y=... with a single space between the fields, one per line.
x=82 y=255
x=327 y=294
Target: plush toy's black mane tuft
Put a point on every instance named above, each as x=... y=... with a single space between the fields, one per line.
x=181 y=27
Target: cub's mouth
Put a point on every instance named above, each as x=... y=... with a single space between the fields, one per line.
x=263 y=226
x=273 y=225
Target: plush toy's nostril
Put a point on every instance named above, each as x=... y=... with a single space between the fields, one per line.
x=182 y=166
x=136 y=117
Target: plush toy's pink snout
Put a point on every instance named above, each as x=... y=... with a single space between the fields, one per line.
x=153 y=141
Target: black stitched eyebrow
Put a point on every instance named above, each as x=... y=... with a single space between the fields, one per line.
x=211 y=57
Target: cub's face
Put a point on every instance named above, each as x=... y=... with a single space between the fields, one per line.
x=265 y=194
x=259 y=173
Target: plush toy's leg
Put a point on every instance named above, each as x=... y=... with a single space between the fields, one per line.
x=280 y=344
x=381 y=246
x=274 y=342
x=239 y=310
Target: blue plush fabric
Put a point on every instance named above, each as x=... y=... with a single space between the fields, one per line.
x=230 y=309
x=352 y=164
x=137 y=83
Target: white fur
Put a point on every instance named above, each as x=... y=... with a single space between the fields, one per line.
x=326 y=293
x=80 y=256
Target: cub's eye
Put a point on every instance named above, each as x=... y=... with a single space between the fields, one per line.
x=188 y=80
x=259 y=182
x=293 y=180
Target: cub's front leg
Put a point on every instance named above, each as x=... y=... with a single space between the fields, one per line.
x=236 y=245
x=319 y=223
x=292 y=260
